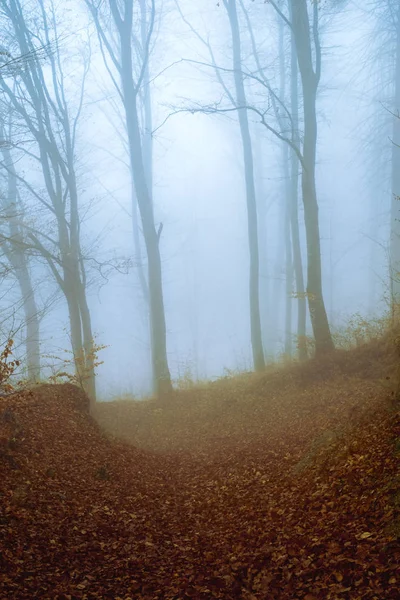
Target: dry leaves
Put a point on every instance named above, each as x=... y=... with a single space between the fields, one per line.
x=85 y=517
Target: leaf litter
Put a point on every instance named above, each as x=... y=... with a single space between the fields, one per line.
x=207 y=500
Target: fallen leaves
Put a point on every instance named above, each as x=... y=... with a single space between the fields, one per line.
x=84 y=517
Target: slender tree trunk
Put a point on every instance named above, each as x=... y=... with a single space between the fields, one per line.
x=288 y=253
x=395 y=201
x=19 y=261
x=89 y=383
x=294 y=214
x=31 y=320
x=147 y=135
x=75 y=331
x=255 y=320
x=285 y=208
x=310 y=80
x=156 y=301
x=264 y=286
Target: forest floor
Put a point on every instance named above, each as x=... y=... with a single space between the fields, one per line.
x=284 y=485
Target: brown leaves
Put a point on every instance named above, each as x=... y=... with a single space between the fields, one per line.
x=7 y=366
x=232 y=521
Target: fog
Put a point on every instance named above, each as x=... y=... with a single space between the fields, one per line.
x=199 y=193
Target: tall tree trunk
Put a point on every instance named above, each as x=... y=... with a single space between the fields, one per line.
x=161 y=372
x=255 y=321
x=18 y=258
x=147 y=134
x=395 y=200
x=294 y=213
x=120 y=49
x=286 y=212
x=288 y=253
x=88 y=346
x=262 y=223
x=32 y=339
x=310 y=80
x=19 y=261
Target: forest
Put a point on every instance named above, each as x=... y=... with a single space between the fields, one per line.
x=126 y=241
x=199 y=299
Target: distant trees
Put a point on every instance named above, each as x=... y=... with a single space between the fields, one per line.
x=13 y=244
x=40 y=105
x=125 y=32
x=306 y=53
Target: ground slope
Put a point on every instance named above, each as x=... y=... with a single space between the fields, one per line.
x=279 y=487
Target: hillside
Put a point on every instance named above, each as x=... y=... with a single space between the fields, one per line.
x=279 y=486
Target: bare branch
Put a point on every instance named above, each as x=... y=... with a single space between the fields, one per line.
x=280 y=13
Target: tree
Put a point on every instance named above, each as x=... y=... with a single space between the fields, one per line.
x=126 y=43
x=395 y=197
x=40 y=103
x=241 y=102
x=13 y=246
x=310 y=75
x=286 y=130
x=294 y=203
x=287 y=117
x=238 y=101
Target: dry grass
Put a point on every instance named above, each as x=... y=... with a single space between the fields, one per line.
x=298 y=401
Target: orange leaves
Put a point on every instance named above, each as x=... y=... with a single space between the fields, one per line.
x=365 y=535
x=7 y=366
x=230 y=519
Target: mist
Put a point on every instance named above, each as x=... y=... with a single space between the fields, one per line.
x=197 y=184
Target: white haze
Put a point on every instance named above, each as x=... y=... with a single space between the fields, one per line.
x=199 y=197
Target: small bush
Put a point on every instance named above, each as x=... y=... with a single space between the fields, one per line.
x=7 y=367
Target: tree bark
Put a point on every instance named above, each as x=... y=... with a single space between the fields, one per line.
x=42 y=105
x=255 y=321
x=19 y=260
x=161 y=372
x=294 y=213
x=32 y=337
x=288 y=253
x=286 y=212
x=310 y=80
x=395 y=200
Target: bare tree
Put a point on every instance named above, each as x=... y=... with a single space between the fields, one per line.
x=14 y=248
x=294 y=204
x=395 y=151
x=252 y=225
x=307 y=46
x=40 y=102
x=125 y=34
x=238 y=100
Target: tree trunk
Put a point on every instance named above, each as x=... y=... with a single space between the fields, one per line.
x=288 y=254
x=19 y=261
x=161 y=372
x=264 y=276
x=395 y=200
x=310 y=80
x=286 y=212
x=89 y=383
x=294 y=213
x=32 y=339
x=255 y=321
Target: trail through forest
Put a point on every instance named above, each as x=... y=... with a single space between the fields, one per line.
x=281 y=486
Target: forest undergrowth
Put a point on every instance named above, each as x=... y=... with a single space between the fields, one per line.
x=284 y=485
